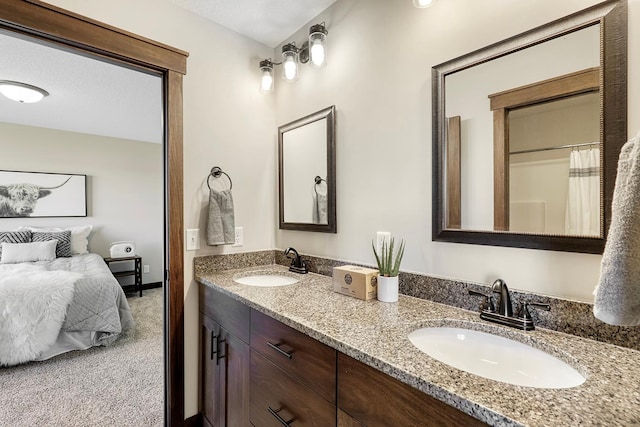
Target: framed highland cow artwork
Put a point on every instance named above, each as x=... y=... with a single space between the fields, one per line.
x=38 y=194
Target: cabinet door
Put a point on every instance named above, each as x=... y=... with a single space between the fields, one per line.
x=212 y=401
x=225 y=377
x=234 y=375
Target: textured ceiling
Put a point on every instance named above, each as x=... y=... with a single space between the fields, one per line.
x=267 y=21
x=85 y=95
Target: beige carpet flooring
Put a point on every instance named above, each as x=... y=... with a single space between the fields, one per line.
x=119 y=385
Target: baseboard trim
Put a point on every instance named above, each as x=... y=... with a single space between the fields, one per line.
x=151 y=285
x=194 y=421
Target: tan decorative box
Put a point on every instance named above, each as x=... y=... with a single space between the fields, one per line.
x=358 y=282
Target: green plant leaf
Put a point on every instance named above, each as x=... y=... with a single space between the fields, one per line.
x=388 y=264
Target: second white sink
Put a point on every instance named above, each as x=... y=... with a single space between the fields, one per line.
x=266 y=280
x=495 y=357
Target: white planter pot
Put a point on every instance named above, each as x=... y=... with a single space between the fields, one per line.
x=387 y=289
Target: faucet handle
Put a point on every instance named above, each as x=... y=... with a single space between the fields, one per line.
x=487 y=302
x=523 y=309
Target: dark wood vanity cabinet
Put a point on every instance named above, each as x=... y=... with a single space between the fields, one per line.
x=292 y=376
x=258 y=371
x=225 y=360
x=368 y=397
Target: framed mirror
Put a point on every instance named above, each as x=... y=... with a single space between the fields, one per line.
x=527 y=134
x=307 y=173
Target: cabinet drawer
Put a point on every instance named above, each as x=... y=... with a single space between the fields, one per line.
x=390 y=402
x=274 y=394
x=307 y=360
x=231 y=314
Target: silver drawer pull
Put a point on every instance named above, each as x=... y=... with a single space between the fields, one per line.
x=277 y=348
x=279 y=418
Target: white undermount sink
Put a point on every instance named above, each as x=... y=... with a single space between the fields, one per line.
x=495 y=357
x=266 y=280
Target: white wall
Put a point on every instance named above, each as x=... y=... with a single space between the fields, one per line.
x=380 y=55
x=227 y=123
x=111 y=165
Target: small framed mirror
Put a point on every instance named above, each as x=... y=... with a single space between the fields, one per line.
x=307 y=173
x=527 y=133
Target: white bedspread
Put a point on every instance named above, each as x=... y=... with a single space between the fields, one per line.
x=33 y=306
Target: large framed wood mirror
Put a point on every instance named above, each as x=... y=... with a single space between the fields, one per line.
x=527 y=134
x=307 y=172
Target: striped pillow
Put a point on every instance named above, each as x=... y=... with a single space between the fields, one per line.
x=14 y=237
x=63 y=247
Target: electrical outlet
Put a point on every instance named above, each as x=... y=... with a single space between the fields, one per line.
x=193 y=239
x=239 y=237
x=382 y=236
x=145 y=269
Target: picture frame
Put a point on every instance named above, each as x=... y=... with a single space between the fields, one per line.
x=42 y=195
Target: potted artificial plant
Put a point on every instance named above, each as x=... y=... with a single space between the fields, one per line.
x=388 y=269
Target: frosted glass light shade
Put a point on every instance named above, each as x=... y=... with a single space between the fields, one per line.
x=289 y=62
x=266 y=81
x=22 y=92
x=423 y=3
x=317 y=46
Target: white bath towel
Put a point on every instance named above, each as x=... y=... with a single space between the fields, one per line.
x=221 y=228
x=617 y=296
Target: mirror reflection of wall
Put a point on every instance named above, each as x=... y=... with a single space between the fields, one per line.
x=540 y=172
x=468 y=96
x=304 y=158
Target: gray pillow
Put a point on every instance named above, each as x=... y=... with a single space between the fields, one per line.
x=63 y=248
x=14 y=237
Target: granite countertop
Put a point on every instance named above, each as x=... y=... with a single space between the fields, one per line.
x=376 y=334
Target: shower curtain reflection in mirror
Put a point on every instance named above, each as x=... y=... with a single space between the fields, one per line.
x=582 y=216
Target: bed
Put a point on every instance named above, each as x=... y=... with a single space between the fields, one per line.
x=96 y=311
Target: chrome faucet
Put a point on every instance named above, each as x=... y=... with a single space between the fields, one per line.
x=297 y=265
x=502 y=312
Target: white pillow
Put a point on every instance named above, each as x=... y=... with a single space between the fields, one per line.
x=79 y=236
x=28 y=252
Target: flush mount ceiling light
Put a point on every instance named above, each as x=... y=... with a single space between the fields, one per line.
x=313 y=50
x=423 y=3
x=22 y=92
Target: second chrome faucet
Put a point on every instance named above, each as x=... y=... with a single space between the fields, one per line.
x=502 y=311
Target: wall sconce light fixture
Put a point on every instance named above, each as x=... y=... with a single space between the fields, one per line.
x=314 y=49
x=318 y=49
x=22 y=92
x=423 y=3
x=266 y=82
x=290 y=62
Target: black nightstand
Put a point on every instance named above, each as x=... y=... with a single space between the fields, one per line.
x=136 y=272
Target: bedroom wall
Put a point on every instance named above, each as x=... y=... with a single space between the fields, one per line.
x=124 y=185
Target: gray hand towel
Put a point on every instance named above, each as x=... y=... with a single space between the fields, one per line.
x=221 y=223
x=617 y=296
x=320 y=215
